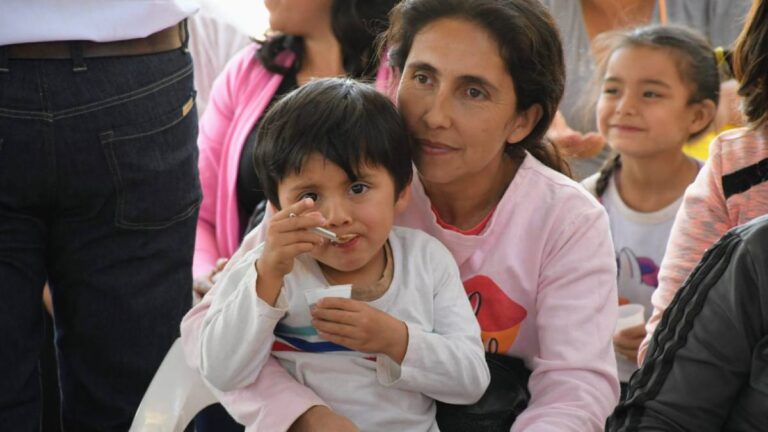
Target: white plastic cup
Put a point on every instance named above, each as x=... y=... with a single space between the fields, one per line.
x=314 y=295
x=630 y=315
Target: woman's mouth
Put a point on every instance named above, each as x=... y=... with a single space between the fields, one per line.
x=434 y=148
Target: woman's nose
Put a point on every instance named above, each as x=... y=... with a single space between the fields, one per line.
x=439 y=112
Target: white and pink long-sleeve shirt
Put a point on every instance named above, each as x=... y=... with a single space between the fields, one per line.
x=542 y=280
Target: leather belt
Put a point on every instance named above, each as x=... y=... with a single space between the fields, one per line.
x=168 y=39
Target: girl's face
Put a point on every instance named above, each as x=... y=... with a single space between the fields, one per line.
x=643 y=109
x=299 y=17
x=363 y=210
x=459 y=102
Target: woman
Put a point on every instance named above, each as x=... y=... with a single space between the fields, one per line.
x=315 y=38
x=480 y=84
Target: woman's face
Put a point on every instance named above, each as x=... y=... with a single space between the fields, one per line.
x=458 y=100
x=299 y=17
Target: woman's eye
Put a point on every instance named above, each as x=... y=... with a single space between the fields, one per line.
x=358 y=188
x=421 y=78
x=610 y=90
x=651 y=94
x=311 y=195
x=475 y=93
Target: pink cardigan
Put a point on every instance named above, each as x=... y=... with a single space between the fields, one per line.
x=238 y=98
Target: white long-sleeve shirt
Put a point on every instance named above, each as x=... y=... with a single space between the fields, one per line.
x=444 y=358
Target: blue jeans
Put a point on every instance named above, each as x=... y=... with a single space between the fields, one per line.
x=99 y=194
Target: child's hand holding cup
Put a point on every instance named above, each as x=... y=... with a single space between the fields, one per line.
x=630 y=330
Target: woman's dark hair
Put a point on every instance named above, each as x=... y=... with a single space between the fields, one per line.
x=529 y=44
x=696 y=64
x=750 y=58
x=355 y=23
x=347 y=122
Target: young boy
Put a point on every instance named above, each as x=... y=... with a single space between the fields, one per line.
x=335 y=154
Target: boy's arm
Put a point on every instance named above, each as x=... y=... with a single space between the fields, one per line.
x=236 y=333
x=446 y=363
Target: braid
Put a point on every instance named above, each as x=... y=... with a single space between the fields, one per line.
x=606 y=172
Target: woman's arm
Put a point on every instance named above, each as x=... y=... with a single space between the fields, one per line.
x=215 y=125
x=700 y=222
x=573 y=383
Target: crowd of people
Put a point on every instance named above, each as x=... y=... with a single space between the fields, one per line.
x=378 y=224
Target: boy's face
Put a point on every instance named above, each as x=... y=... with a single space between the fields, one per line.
x=362 y=210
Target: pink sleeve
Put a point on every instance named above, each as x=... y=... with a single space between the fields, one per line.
x=271 y=403
x=573 y=385
x=700 y=222
x=215 y=126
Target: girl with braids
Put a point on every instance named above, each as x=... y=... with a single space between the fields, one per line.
x=732 y=188
x=646 y=115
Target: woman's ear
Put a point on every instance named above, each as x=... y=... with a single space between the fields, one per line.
x=523 y=123
x=403 y=199
x=703 y=114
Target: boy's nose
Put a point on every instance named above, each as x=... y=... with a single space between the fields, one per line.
x=337 y=214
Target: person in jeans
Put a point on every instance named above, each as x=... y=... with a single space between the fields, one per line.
x=99 y=194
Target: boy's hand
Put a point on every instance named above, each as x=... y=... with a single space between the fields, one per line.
x=287 y=238
x=358 y=326
x=627 y=341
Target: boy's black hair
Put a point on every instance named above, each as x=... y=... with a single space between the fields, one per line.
x=347 y=122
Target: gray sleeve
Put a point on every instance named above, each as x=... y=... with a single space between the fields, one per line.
x=726 y=18
x=697 y=373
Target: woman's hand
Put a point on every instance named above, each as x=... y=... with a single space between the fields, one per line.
x=627 y=341
x=201 y=285
x=571 y=143
x=321 y=419
x=287 y=238
x=361 y=327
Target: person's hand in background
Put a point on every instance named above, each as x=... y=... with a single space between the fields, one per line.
x=572 y=143
x=201 y=285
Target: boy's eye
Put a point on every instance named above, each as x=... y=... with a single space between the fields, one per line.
x=358 y=188
x=610 y=90
x=650 y=94
x=311 y=195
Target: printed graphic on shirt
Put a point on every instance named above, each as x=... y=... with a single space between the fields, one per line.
x=302 y=339
x=638 y=277
x=499 y=316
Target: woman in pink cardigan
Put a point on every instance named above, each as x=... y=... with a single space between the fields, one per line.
x=732 y=188
x=317 y=38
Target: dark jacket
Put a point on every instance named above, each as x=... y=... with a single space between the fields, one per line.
x=707 y=365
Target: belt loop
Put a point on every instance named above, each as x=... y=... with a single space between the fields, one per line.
x=4 y=59
x=76 y=51
x=184 y=35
